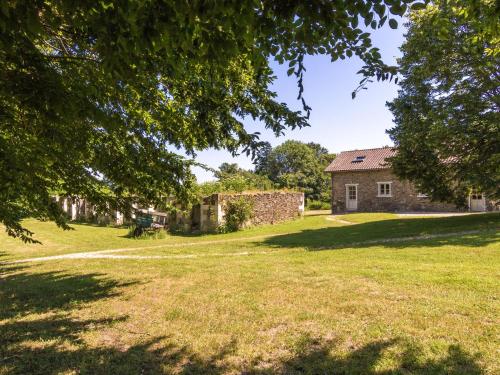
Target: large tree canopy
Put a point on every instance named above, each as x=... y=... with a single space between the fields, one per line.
x=297 y=165
x=447 y=113
x=96 y=97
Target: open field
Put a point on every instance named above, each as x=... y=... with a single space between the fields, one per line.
x=385 y=295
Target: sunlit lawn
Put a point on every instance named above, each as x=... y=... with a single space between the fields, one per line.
x=310 y=296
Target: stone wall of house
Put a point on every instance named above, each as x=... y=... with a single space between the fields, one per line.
x=404 y=195
x=268 y=207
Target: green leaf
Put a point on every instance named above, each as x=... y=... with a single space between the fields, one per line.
x=418 y=6
x=354 y=22
x=382 y=21
x=393 y=23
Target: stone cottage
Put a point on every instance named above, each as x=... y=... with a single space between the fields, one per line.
x=362 y=180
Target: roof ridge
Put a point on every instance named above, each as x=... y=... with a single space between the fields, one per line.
x=368 y=149
x=365 y=159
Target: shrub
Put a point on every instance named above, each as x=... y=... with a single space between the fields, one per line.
x=237 y=213
x=152 y=234
x=318 y=205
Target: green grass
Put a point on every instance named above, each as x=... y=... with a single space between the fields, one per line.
x=309 y=297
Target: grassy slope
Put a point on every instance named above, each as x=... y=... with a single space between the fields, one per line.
x=309 y=232
x=85 y=237
x=428 y=306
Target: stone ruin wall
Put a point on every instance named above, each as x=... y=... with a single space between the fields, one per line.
x=268 y=207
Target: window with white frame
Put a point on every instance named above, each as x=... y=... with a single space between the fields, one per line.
x=384 y=189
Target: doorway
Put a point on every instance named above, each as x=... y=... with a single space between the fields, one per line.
x=351 y=197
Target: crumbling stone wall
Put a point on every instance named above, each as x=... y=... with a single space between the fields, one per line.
x=268 y=207
x=404 y=195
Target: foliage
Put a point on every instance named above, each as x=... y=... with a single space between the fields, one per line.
x=297 y=165
x=236 y=214
x=447 y=113
x=317 y=205
x=233 y=179
x=228 y=169
x=96 y=96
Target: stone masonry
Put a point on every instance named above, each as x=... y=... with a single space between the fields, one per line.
x=268 y=207
x=404 y=195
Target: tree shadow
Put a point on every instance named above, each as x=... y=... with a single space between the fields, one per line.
x=391 y=232
x=9 y=268
x=23 y=293
x=160 y=355
x=316 y=358
x=54 y=341
x=65 y=352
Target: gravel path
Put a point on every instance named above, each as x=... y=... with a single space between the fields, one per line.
x=95 y=255
x=338 y=220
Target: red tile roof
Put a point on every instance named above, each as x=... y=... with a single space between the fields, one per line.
x=360 y=160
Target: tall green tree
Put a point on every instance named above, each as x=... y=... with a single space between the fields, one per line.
x=96 y=97
x=447 y=112
x=234 y=178
x=298 y=165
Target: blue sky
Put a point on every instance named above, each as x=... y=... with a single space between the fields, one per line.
x=337 y=122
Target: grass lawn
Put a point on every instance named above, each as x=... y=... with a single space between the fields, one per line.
x=312 y=296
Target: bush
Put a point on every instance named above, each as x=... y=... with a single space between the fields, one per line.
x=318 y=205
x=237 y=213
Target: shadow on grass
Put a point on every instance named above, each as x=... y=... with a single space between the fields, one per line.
x=150 y=357
x=56 y=342
x=316 y=358
x=161 y=355
x=376 y=232
x=23 y=293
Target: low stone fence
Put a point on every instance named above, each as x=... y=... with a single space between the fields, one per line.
x=267 y=207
